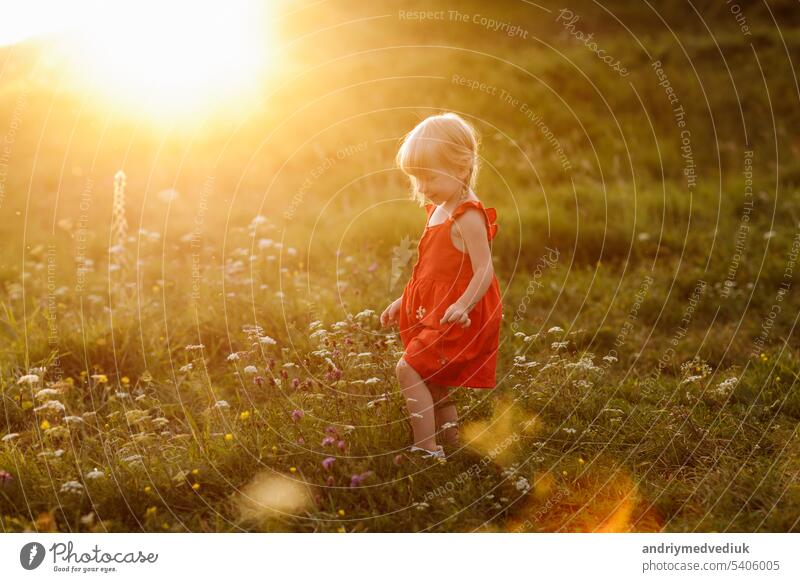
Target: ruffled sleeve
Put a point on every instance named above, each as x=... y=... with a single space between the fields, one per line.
x=490 y=214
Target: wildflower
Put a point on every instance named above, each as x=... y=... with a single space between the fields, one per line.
x=28 y=379
x=365 y=313
x=727 y=385
x=95 y=474
x=186 y=368
x=45 y=425
x=398 y=459
x=293 y=469
x=570 y=430
x=151 y=511
x=232 y=357
x=522 y=485
x=422 y=505
x=148 y=489
x=221 y=404
x=72 y=487
x=555 y=329
x=10 y=437
x=342 y=445
x=100 y=378
x=46 y=393
x=228 y=437
x=297 y=415
x=691 y=379
x=328 y=440
x=193 y=347
x=559 y=345
x=327 y=463
x=610 y=359
x=250 y=369
x=5 y=478
x=341 y=512
x=357 y=480
x=196 y=486
x=244 y=415
x=50 y=406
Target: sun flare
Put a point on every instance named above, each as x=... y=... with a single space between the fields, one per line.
x=170 y=56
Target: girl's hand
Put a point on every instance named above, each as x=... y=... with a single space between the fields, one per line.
x=389 y=315
x=457 y=313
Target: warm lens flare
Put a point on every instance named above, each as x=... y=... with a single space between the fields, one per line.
x=175 y=57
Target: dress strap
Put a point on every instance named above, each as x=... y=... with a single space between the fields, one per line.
x=490 y=214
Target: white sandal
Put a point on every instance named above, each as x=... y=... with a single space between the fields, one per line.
x=437 y=454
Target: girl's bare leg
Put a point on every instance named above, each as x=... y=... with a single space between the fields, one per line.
x=420 y=405
x=445 y=412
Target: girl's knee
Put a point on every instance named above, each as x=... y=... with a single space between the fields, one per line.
x=402 y=369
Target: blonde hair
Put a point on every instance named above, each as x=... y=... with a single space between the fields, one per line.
x=439 y=141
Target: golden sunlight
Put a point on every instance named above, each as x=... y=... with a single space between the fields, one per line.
x=174 y=57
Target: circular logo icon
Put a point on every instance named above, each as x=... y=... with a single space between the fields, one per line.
x=31 y=555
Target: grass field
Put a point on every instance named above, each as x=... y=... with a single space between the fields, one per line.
x=206 y=356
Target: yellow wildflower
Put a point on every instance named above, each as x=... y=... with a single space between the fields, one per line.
x=148 y=489
x=151 y=511
x=293 y=469
x=45 y=425
x=125 y=380
x=229 y=437
x=196 y=486
x=245 y=415
x=341 y=512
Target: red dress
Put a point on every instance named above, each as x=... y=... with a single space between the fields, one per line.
x=450 y=355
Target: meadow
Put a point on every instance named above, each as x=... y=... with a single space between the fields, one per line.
x=189 y=334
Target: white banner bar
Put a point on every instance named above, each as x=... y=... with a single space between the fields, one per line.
x=389 y=557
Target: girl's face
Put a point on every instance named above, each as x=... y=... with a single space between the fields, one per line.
x=439 y=185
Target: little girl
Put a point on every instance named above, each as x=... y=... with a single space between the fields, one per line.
x=450 y=311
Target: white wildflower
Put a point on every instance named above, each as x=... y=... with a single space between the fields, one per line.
x=74 y=420
x=610 y=359
x=192 y=347
x=233 y=357
x=250 y=370
x=267 y=341
x=72 y=487
x=372 y=381
x=559 y=345
x=10 y=437
x=365 y=313
x=222 y=404
x=522 y=485
x=95 y=474
x=570 y=430
x=691 y=379
x=186 y=368
x=46 y=393
x=315 y=324
x=51 y=406
x=28 y=379
x=555 y=329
